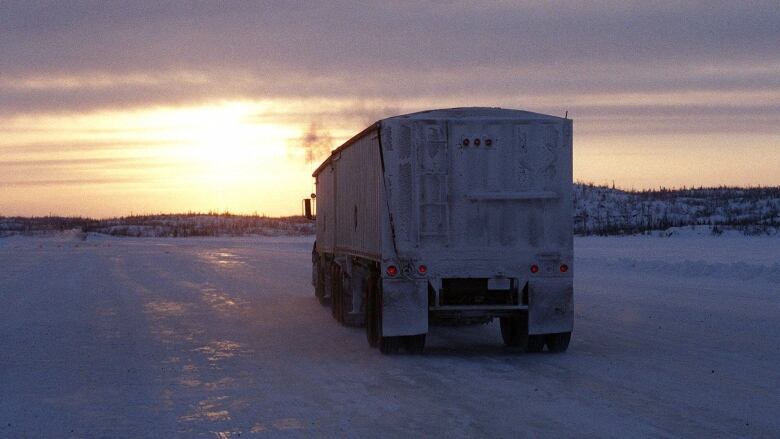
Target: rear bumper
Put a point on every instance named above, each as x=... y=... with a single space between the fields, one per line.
x=548 y=300
x=406 y=303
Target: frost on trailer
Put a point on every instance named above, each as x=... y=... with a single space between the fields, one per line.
x=451 y=216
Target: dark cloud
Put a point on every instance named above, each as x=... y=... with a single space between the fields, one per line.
x=676 y=119
x=88 y=55
x=339 y=36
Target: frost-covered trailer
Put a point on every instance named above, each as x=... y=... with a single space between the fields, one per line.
x=449 y=216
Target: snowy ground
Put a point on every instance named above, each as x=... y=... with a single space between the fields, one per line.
x=124 y=337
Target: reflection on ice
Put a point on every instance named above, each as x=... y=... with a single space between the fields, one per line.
x=288 y=424
x=210 y=409
x=221 y=301
x=258 y=428
x=220 y=415
x=189 y=382
x=164 y=308
x=168 y=335
x=221 y=350
x=219 y=384
x=222 y=258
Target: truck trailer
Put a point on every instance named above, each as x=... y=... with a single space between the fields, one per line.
x=450 y=216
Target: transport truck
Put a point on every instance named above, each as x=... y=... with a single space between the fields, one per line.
x=450 y=216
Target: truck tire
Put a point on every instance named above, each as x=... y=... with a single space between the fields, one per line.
x=535 y=343
x=386 y=345
x=349 y=318
x=558 y=342
x=342 y=300
x=319 y=286
x=415 y=344
x=390 y=345
x=336 y=288
x=514 y=330
x=372 y=317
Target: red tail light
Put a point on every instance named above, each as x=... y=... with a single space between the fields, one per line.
x=534 y=268
x=476 y=142
x=564 y=268
x=392 y=270
x=422 y=269
x=465 y=142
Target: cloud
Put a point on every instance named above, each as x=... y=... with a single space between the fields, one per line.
x=338 y=36
x=68 y=182
x=71 y=146
x=389 y=57
x=75 y=165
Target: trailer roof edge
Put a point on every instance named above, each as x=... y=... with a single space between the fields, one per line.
x=374 y=126
x=444 y=113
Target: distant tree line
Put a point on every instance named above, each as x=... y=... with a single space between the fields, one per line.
x=601 y=210
x=164 y=225
x=598 y=210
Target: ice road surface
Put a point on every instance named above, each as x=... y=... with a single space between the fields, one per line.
x=674 y=337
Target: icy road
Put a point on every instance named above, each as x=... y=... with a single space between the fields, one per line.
x=158 y=338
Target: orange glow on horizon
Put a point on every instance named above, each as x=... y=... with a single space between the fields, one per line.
x=241 y=156
x=207 y=158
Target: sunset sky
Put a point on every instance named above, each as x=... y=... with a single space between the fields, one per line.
x=108 y=108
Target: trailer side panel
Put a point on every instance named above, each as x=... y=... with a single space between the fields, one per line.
x=348 y=198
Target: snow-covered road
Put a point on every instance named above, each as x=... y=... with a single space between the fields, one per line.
x=220 y=337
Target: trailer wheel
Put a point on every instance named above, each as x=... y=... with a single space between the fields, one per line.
x=319 y=287
x=558 y=342
x=389 y=345
x=349 y=318
x=372 y=311
x=337 y=286
x=535 y=343
x=514 y=330
x=415 y=344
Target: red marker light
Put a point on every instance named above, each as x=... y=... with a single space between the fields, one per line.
x=564 y=268
x=422 y=269
x=534 y=268
x=476 y=142
x=488 y=142
x=465 y=142
x=392 y=270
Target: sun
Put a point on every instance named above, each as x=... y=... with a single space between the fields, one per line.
x=239 y=156
x=223 y=144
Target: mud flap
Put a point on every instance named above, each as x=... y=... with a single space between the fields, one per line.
x=404 y=307
x=550 y=306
